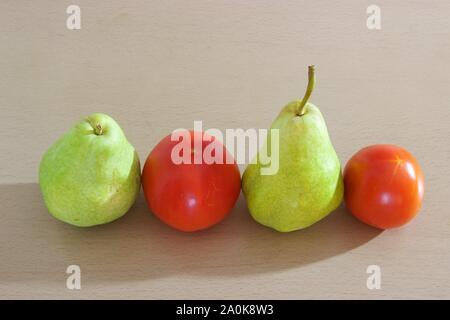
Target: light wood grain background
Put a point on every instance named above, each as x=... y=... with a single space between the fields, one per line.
x=159 y=65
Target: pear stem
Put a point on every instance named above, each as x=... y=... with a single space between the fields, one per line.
x=98 y=129
x=309 y=90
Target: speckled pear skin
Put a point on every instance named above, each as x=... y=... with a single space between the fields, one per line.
x=308 y=185
x=87 y=178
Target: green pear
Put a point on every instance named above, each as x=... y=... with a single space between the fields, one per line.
x=308 y=184
x=91 y=175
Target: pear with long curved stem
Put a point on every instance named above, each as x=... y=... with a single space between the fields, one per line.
x=308 y=184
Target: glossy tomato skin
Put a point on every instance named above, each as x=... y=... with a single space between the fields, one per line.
x=190 y=197
x=384 y=186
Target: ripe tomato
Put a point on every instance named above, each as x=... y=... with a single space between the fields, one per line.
x=383 y=186
x=190 y=196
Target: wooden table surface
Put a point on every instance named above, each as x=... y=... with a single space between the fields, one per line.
x=159 y=65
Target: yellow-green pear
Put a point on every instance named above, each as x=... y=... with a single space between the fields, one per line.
x=308 y=184
x=91 y=175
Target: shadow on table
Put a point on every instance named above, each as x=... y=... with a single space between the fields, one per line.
x=37 y=247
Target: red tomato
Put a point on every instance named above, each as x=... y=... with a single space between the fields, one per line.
x=383 y=186
x=190 y=197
